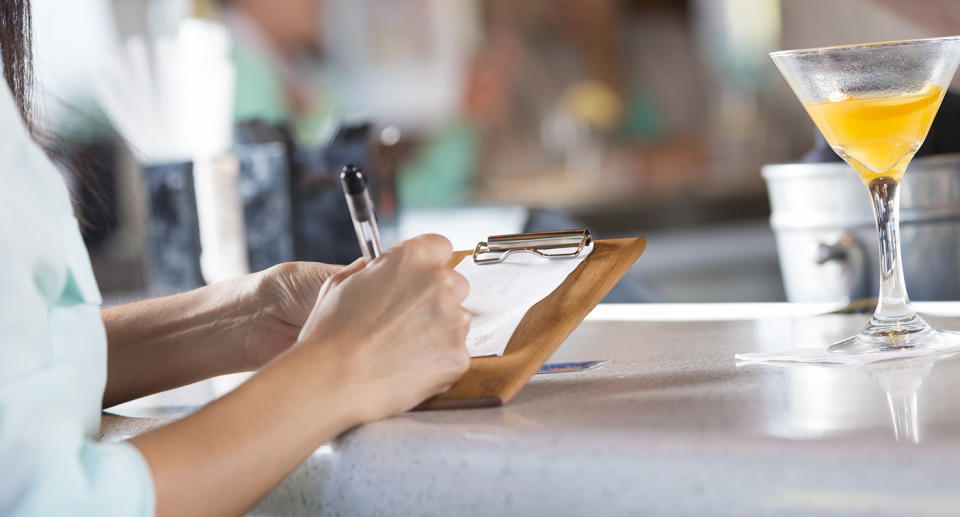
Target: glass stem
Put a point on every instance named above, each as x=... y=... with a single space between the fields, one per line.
x=893 y=304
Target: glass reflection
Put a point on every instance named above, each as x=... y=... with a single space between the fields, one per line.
x=901 y=380
x=827 y=399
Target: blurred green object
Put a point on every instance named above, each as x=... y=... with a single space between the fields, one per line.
x=441 y=172
x=642 y=120
x=260 y=95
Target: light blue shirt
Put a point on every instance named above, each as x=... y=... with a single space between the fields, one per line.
x=52 y=351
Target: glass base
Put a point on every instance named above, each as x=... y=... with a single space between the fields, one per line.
x=908 y=334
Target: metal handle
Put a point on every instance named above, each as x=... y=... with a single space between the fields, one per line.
x=850 y=254
x=503 y=245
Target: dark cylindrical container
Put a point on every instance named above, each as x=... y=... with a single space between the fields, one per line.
x=324 y=230
x=173 y=236
x=264 y=186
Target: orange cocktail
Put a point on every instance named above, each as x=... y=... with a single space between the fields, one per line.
x=877 y=135
x=874 y=104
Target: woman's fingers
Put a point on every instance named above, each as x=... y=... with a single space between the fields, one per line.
x=436 y=248
x=344 y=273
x=323 y=272
x=460 y=287
x=426 y=250
x=351 y=268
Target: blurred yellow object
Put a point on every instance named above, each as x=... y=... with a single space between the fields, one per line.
x=593 y=102
x=205 y=9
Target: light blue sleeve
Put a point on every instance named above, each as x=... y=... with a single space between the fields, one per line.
x=49 y=463
x=50 y=468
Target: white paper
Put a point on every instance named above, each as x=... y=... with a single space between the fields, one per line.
x=501 y=294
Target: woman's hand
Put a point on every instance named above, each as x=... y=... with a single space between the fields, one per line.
x=381 y=338
x=283 y=296
x=227 y=327
x=394 y=327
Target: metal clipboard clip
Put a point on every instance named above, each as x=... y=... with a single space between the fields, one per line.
x=499 y=247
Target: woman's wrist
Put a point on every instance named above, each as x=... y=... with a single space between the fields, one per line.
x=326 y=382
x=251 y=303
x=232 y=314
x=163 y=343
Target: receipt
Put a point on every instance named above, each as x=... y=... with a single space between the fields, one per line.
x=501 y=294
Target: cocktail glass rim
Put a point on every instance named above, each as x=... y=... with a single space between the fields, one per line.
x=862 y=46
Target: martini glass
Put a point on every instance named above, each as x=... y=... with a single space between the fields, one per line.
x=874 y=104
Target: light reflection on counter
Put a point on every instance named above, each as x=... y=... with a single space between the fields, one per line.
x=825 y=400
x=901 y=381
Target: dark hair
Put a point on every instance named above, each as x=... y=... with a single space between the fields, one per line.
x=16 y=49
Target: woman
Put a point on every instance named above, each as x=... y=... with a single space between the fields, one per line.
x=337 y=348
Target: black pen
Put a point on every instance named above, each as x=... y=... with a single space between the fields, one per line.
x=354 y=182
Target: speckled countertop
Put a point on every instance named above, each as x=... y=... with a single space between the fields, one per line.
x=671 y=427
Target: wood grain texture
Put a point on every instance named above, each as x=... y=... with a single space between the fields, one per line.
x=493 y=381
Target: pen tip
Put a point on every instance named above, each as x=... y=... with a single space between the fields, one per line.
x=354 y=179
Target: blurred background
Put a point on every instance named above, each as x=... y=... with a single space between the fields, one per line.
x=218 y=128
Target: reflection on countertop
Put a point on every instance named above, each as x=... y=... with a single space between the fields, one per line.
x=825 y=400
x=671 y=426
x=901 y=381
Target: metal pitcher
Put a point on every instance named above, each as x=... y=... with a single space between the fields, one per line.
x=826 y=235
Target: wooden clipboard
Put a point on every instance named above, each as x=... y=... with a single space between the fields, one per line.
x=493 y=381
